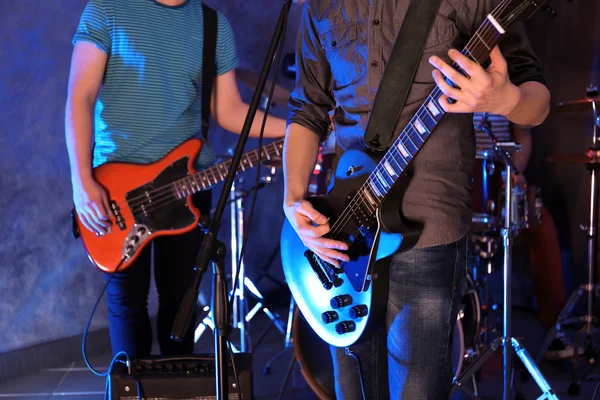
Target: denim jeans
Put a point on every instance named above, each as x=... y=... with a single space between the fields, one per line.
x=127 y=293
x=409 y=357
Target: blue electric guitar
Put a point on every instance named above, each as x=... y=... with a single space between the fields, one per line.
x=364 y=210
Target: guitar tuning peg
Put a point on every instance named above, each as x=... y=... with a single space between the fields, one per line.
x=551 y=11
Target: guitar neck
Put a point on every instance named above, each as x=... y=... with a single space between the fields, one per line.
x=425 y=120
x=208 y=177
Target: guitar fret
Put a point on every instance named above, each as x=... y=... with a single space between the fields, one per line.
x=212 y=172
x=420 y=126
x=433 y=108
x=382 y=181
x=395 y=159
x=220 y=174
x=407 y=145
x=388 y=167
x=403 y=150
x=369 y=198
x=481 y=39
x=374 y=189
x=414 y=136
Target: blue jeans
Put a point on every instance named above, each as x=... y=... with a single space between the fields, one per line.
x=409 y=357
x=127 y=293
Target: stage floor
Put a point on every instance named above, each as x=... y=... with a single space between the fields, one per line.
x=74 y=381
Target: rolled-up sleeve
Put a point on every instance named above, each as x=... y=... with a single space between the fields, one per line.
x=311 y=99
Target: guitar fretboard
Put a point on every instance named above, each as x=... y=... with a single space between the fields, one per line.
x=420 y=127
x=206 y=178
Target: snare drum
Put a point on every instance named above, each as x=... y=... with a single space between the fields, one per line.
x=487 y=190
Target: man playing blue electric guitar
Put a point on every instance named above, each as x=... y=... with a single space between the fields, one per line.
x=343 y=49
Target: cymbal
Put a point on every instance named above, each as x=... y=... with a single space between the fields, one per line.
x=580 y=105
x=250 y=80
x=590 y=157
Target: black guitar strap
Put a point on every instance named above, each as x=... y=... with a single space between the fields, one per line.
x=209 y=62
x=400 y=72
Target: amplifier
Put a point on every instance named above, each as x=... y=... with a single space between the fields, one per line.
x=178 y=378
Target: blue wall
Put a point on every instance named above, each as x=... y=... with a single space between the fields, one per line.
x=47 y=286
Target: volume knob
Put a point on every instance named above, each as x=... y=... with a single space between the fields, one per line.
x=345 y=327
x=329 y=316
x=340 y=301
x=358 y=311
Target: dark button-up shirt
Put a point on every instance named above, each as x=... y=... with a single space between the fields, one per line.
x=343 y=48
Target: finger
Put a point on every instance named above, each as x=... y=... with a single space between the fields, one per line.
x=446 y=88
x=97 y=215
x=456 y=77
x=330 y=260
x=309 y=211
x=106 y=205
x=324 y=242
x=456 y=107
x=84 y=221
x=336 y=255
x=92 y=221
x=497 y=59
x=470 y=67
x=306 y=229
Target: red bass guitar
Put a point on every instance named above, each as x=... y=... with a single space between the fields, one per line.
x=152 y=200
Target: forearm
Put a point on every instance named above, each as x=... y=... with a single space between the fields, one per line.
x=78 y=135
x=532 y=104
x=234 y=122
x=299 y=157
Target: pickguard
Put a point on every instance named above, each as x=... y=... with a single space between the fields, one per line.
x=156 y=205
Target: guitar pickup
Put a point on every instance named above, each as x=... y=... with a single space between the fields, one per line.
x=116 y=210
x=316 y=265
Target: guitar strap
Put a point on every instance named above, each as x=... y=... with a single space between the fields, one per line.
x=400 y=72
x=209 y=62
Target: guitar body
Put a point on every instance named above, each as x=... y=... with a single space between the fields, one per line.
x=135 y=193
x=364 y=278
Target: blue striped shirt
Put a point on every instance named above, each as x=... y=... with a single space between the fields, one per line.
x=150 y=99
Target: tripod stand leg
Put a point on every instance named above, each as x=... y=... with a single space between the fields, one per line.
x=547 y=391
x=477 y=364
x=288 y=373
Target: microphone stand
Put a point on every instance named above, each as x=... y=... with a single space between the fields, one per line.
x=213 y=250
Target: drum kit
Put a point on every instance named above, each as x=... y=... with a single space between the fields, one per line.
x=501 y=210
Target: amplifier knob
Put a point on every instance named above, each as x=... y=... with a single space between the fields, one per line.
x=329 y=316
x=345 y=327
x=340 y=301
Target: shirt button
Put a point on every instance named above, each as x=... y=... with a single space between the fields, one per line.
x=333 y=44
x=374 y=64
x=376 y=22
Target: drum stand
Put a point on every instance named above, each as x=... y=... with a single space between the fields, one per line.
x=241 y=315
x=506 y=341
x=593 y=290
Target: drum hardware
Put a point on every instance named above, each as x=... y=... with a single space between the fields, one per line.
x=506 y=341
x=592 y=160
x=241 y=315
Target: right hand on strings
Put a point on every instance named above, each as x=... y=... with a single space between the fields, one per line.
x=311 y=225
x=91 y=204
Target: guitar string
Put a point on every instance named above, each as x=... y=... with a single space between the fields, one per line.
x=351 y=208
x=168 y=189
x=405 y=134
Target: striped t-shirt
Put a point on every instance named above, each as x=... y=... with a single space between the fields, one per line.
x=150 y=97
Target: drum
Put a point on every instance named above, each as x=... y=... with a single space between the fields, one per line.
x=487 y=189
x=314 y=357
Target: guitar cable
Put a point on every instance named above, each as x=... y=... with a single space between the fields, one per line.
x=108 y=386
x=349 y=352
